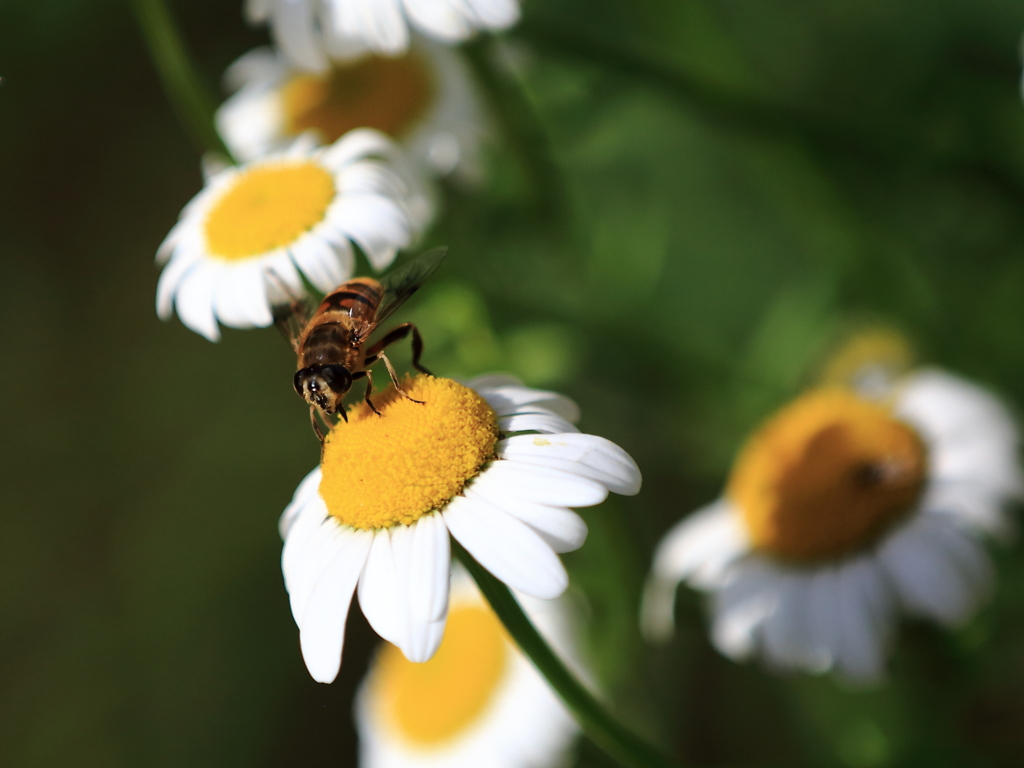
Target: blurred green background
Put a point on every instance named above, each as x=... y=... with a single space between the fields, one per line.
x=729 y=186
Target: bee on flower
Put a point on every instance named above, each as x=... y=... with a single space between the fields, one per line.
x=290 y=215
x=492 y=463
x=311 y=32
x=423 y=98
x=478 y=701
x=864 y=499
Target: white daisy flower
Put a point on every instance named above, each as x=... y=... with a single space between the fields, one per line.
x=842 y=512
x=299 y=210
x=478 y=702
x=311 y=32
x=495 y=464
x=425 y=99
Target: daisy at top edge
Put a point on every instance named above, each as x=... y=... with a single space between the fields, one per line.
x=493 y=463
x=311 y=32
x=266 y=221
x=423 y=98
x=847 y=508
x=479 y=701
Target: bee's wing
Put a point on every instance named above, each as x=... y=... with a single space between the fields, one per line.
x=399 y=284
x=291 y=311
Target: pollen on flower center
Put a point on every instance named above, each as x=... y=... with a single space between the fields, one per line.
x=826 y=475
x=380 y=471
x=434 y=702
x=268 y=207
x=390 y=95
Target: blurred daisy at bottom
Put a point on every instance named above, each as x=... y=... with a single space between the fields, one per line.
x=425 y=99
x=848 y=507
x=478 y=702
x=259 y=228
x=493 y=463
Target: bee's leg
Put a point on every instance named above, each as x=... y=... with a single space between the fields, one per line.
x=397 y=334
x=369 y=388
x=394 y=378
x=316 y=427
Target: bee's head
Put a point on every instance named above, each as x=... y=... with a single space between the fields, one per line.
x=323 y=386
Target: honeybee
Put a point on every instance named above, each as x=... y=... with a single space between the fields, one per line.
x=329 y=343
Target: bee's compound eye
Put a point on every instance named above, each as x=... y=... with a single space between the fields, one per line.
x=300 y=377
x=337 y=377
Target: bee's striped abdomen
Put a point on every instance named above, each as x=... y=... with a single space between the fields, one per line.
x=356 y=298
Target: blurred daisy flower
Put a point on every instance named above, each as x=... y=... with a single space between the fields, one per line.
x=478 y=702
x=423 y=98
x=299 y=210
x=311 y=32
x=495 y=464
x=849 y=506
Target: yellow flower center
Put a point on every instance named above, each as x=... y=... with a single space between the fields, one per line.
x=268 y=207
x=390 y=95
x=826 y=475
x=432 y=703
x=380 y=471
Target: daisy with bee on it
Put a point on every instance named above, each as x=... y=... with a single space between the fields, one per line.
x=492 y=463
x=866 y=498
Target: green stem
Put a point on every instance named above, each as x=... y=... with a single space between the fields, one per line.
x=192 y=100
x=620 y=743
x=522 y=125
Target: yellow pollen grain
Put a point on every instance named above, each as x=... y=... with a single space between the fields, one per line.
x=380 y=471
x=268 y=207
x=389 y=94
x=826 y=475
x=431 y=703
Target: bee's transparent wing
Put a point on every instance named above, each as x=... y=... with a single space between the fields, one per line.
x=399 y=284
x=291 y=310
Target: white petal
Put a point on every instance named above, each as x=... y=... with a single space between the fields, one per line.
x=309 y=486
x=322 y=628
x=509 y=399
x=864 y=620
x=785 y=631
x=506 y=547
x=561 y=528
x=194 y=299
x=423 y=563
x=494 y=14
x=376 y=223
x=324 y=264
x=380 y=599
x=170 y=280
x=293 y=30
x=540 y=484
x=743 y=605
x=442 y=20
x=240 y=297
x=357 y=145
x=327 y=539
x=938 y=571
x=257 y=10
x=535 y=422
x=379 y=22
x=699 y=548
x=588 y=456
